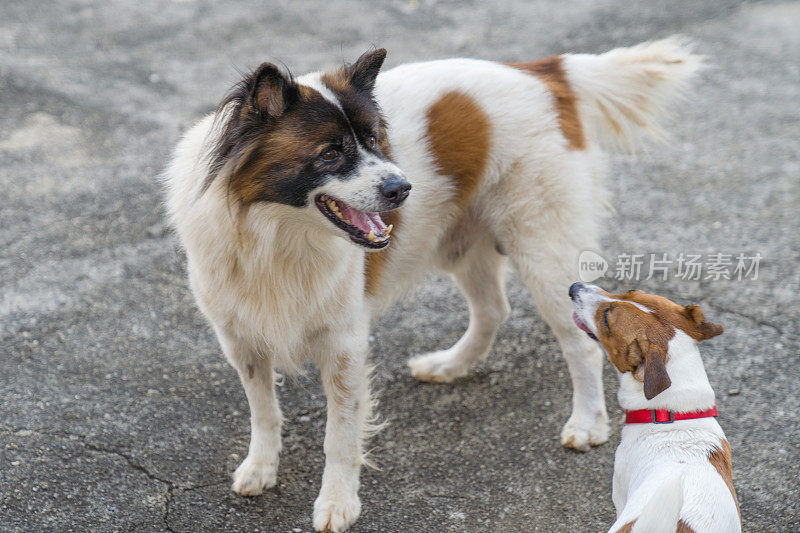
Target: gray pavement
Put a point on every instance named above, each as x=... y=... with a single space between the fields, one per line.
x=118 y=411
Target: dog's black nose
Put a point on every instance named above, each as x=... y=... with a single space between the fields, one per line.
x=395 y=189
x=574 y=289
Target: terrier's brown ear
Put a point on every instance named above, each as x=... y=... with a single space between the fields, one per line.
x=652 y=371
x=364 y=71
x=271 y=91
x=700 y=329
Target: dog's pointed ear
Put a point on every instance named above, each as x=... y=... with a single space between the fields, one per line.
x=652 y=371
x=700 y=329
x=364 y=71
x=271 y=92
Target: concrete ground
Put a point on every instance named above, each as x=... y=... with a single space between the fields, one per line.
x=118 y=411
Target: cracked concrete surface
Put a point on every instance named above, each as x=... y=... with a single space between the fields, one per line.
x=118 y=411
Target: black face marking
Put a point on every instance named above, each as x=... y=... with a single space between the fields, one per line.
x=293 y=176
x=361 y=108
x=279 y=158
x=605 y=318
x=274 y=133
x=365 y=117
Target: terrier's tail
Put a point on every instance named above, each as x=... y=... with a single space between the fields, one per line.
x=663 y=510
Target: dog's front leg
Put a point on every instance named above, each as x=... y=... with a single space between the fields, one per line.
x=342 y=360
x=260 y=468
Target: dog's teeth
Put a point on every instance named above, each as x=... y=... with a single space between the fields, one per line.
x=389 y=229
x=371 y=235
x=338 y=214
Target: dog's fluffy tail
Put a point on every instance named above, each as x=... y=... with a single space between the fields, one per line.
x=663 y=510
x=626 y=92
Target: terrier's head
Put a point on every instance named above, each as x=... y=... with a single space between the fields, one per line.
x=635 y=328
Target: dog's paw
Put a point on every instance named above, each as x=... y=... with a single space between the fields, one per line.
x=581 y=433
x=336 y=513
x=252 y=477
x=438 y=367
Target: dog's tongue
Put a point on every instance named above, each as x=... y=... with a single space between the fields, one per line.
x=579 y=323
x=582 y=326
x=366 y=222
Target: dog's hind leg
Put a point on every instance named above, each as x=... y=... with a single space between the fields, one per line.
x=479 y=275
x=259 y=469
x=548 y=266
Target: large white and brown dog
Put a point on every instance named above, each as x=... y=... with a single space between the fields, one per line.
x=672 y=470
x=288 y=196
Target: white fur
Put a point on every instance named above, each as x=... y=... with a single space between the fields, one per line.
x=624 y=91
x=314 y=80
x=661 y=471
x=649 y=455
x=281 y=284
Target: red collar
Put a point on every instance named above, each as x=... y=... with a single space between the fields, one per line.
x=665 y=416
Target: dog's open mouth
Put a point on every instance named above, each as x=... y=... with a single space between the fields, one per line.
x=366 y=229
x=582 y=326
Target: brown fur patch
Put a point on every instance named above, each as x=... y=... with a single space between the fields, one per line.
x=688 y=319
x=637 y=341
x=340 y=389
x=341 y=385
x=682 y=527
x=722 y=461
x=551 y=71
x=458 y=134
x=626 y=528
x=375 y=262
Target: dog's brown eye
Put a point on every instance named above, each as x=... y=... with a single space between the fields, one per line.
x=605 y=318
x=330 y=155
x=372 y=141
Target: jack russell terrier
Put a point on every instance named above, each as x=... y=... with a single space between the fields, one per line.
x=672 y=470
